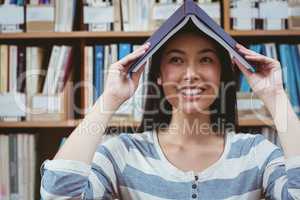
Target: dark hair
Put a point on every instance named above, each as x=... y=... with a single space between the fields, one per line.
x=154 y=116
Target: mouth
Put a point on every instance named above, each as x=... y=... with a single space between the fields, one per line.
x=192 y=92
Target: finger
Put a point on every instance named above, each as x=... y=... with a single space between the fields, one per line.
x=136 y=75
x=134 y=55
x=142 y=46
x=239 y=46
x=245 y=50
x=263 y=59
x=248 y=52
x=243 y=69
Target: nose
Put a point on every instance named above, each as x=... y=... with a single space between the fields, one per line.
x=191 y=74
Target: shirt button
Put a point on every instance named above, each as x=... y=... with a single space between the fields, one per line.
x=194 y=186
x=196 y=178
x=194 y=196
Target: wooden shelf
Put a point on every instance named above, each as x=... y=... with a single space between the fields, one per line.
x=133 y=34
x=74 y=35
x=114 y=123
x=255 y=122
x=265 y=33
x=63 y=124
x=41 y=124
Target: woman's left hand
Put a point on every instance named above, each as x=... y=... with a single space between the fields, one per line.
x=267 y=80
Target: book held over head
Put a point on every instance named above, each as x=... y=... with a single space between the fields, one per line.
x=188 y=12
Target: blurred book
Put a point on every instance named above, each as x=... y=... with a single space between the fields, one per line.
x=18 y=166
x=102 y=15
x=12 y=16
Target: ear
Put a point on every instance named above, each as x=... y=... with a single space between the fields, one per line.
x=158 y=81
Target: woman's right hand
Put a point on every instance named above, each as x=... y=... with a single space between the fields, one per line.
x=118 y=87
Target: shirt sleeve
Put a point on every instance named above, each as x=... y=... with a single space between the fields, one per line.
x=280 y=176
x=67 y=179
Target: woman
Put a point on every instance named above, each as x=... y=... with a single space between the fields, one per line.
x=188 y=148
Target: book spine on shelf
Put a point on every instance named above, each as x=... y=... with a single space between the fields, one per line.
x=98 y=71
x=17 y=166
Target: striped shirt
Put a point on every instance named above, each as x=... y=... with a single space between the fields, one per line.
x=133 y=166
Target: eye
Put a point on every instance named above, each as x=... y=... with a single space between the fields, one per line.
x=176 y=60
x=206 y=60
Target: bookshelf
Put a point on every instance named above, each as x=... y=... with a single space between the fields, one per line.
x=122 y=123
x=75 y=35
x=49 y=133
x=113 y=123
x=35 y=124
x=129 y=35
x=285 y=33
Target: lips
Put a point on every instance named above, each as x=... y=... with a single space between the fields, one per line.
x=191 y=92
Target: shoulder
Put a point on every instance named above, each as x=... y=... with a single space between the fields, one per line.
x=124 y=142
x=246 y=138
x=243 y=144
x=114 y=150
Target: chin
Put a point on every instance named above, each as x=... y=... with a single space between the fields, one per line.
x=191 y=108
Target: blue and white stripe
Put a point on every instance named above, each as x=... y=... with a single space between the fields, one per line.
x=132 y=166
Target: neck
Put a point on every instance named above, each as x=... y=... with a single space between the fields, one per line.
x=191 y=129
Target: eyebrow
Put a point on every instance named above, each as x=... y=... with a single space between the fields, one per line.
x=199 y=52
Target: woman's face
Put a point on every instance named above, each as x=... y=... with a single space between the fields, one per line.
x=190 y=73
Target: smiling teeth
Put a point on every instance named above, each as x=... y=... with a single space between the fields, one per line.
x=191 y=92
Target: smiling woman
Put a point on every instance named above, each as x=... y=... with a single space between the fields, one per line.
x=191 y=73
x=180 y=152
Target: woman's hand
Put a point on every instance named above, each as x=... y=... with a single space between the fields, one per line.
x=267 y=80
x=118 y=87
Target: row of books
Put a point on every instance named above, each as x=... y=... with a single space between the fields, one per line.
x=136 y=15
x=98 y=15
x=289 y=57
x=97 y=59
x=22 y=2
x=266 y=15
x=25 y=69
x=17 y=166
x=37 y=15
x=30 y=78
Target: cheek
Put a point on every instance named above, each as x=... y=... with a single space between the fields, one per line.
x=212 y=74
x=171 y=73
x=211 y=77
x=170 y=80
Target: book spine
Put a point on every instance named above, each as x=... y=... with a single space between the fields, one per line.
x=4 y=68
x=51 y=69
x=13 y=166
x=67 y=67
x=21 y=70
x=13 y=68
x=98 y=71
